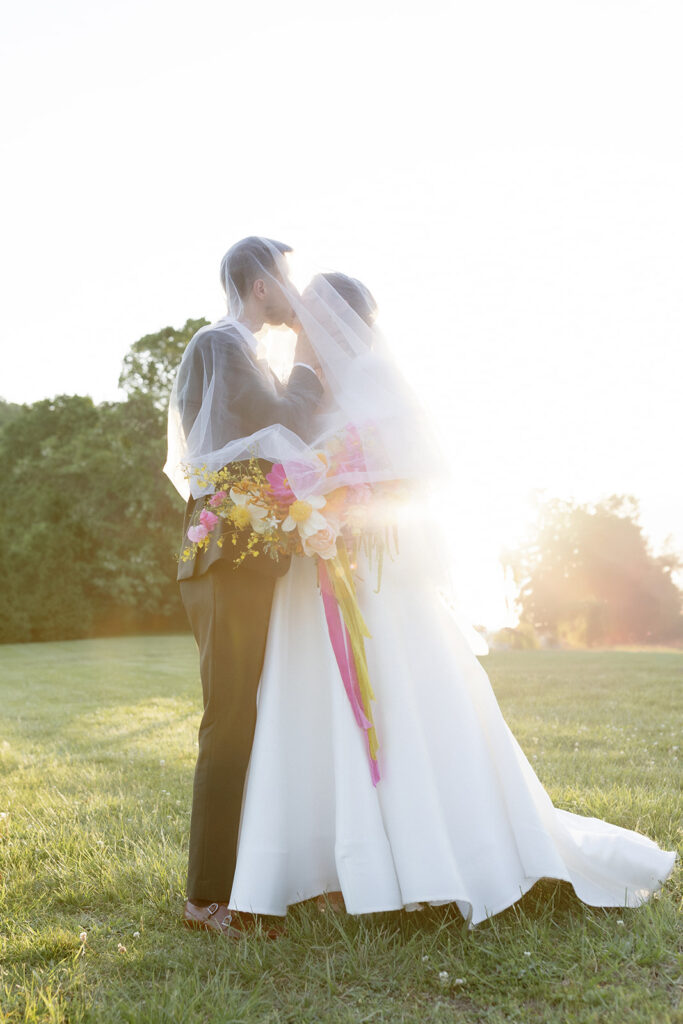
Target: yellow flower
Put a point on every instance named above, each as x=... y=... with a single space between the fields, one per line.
x=300 y=511
x=240 y=516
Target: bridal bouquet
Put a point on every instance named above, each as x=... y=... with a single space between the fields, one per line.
x=258 y=511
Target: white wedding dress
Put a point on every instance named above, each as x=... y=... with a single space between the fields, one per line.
x=458 y=815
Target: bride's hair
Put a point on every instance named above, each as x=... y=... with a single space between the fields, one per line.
x=353 y=291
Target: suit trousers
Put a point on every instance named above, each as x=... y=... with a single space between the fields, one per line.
x=229 y=610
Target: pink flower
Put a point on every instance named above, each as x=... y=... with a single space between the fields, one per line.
x=217 y=498
x=352 y=459
x=277 y=478
x=208 y=519
x=308 y=476
x=323 y=543
x=197 y=533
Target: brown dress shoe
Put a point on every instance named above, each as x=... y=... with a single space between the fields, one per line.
x=217 y=918
x=335 y=901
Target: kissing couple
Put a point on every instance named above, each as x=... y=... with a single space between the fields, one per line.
x=351 y=747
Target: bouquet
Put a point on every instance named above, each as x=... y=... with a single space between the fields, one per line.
x=259 y=511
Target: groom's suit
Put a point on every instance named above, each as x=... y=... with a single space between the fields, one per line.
x=229 y=609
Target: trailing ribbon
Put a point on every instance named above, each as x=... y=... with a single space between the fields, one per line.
x=347 y=628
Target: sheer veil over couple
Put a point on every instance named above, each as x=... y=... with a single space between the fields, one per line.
x=351 y=743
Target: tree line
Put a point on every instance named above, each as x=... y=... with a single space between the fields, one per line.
x=586 y=577
x=91 y=524
x=92 y=527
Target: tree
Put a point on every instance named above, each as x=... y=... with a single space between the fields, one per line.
x=90 y=522
x=586 y=576
x=8 y=411
x=150 y=365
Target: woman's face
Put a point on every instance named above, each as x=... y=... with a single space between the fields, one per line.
x=328 y=309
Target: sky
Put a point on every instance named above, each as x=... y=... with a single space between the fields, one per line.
x=504 y=177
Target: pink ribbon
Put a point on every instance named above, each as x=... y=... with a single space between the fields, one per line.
x=341 y=645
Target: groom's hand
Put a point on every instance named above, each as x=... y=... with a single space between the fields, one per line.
x=304 y=353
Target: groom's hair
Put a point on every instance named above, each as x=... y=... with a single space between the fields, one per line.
x=246 y=261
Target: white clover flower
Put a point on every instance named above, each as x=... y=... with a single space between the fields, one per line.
x=83 y=937
x=424 y=958
x=459 y=981
x=136 y=935
x=527 y=953
x=443 y=977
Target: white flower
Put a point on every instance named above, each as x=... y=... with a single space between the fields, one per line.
x=136 y=935
x=459 y=981
x=162 y=761
x=443 y=977
x=121 y=948
x=83 y=937
x=527 y=953
x=304 y=515
x=619 y=921
x=323 y=542
x=258 y=514
x=425 y=958
x=265 y=524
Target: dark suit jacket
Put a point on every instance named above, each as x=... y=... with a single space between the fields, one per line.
x=255 y=402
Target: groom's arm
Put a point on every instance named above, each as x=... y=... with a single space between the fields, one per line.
x=280 y=387
x=258 y=406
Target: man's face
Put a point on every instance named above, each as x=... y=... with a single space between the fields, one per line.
x=278 y=296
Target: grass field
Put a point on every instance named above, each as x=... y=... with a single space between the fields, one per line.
x=97 y=750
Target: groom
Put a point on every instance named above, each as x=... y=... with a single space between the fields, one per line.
x=229 y=608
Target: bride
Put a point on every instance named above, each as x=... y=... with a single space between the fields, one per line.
x=458 y=814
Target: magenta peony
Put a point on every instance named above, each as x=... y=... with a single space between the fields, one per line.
x=277 y=478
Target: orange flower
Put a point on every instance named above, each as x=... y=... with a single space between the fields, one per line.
x=335 y=503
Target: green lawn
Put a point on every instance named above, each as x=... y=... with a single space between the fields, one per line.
x=97 y=749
